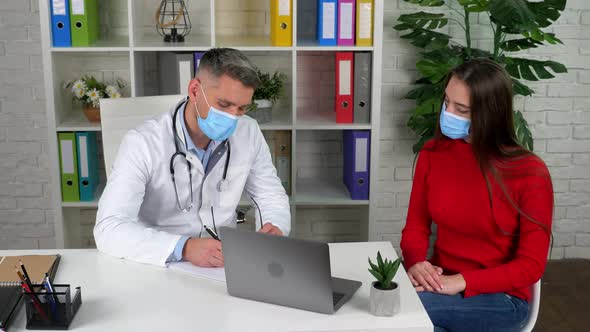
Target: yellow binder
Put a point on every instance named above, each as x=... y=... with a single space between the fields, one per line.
x=364 y=22
x=281 y=22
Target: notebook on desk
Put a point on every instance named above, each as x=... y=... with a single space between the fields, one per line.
x=10 y=290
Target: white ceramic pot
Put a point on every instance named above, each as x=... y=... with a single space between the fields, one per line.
x=384 y=303
x=263 y=112
x=263 y=103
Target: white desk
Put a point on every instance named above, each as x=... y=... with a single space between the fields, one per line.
x=120 y=295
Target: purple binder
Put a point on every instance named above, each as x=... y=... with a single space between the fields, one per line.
x=346 y=22
x=197 y=61
x=356 y=146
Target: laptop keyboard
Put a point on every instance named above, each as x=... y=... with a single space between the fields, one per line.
x=336 y=297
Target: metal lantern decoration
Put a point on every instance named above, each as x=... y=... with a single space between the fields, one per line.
x=172 y=21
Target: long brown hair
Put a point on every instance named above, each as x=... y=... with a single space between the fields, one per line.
x=493 y=139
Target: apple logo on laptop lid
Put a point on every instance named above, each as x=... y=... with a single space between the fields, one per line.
x=276 y=270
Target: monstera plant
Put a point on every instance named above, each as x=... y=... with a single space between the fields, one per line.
x=516 y=25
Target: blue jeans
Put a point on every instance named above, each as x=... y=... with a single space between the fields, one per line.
x=486 y=312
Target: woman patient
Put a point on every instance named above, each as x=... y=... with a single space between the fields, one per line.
x=492 y=203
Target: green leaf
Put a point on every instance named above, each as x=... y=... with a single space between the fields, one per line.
x=373 y=266
x=523 y=133
x=379 y=259
x=520 y=89
x=430 y=106
x=523 y=68
x=475 y=6
x=434 y=71
x=546 y=12
x=377 y=275
x=427 y=3
x=388 y=277
x=514 y=14
x=551 y=39
x=516 y=45
x=396 y=265
x=425 y=38
x=426 y=92
x=424 y=20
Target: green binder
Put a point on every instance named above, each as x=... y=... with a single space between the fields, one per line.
x=68 y=165
x=84 y=22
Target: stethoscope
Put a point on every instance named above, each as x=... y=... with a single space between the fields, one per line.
x=223 y=184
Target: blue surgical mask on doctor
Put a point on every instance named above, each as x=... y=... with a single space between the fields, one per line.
x=218 y=125
x=452 y=125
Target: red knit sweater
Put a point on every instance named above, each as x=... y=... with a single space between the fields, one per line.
x=450 y=190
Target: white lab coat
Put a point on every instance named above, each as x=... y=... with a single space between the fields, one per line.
x=138 y=217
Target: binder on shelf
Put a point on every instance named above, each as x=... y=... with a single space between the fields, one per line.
x=60 y=23
x=84 y=22
x=362 y=87
x=270 y=139
x=283 y=158
x=87 y=165
x=68 y=163
x=346 y=22
x=364 y=22
x=197 y=56
x=344 y=87
x=327 y=22
x=356 y=153
x=281 y=22
x=176 y=71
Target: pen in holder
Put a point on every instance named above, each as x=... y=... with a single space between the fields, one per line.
x=51 y=310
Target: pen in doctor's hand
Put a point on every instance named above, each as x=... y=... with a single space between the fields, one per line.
x=213 y=235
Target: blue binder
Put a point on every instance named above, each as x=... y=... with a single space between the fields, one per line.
x=87 y=165
x=356 y=146
x=60 y=23
x=327 y=22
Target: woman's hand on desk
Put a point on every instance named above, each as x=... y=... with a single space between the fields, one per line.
x=427 y=276
x=204 y=252
x=453 y=284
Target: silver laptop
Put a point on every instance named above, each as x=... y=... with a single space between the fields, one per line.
x=281 y=270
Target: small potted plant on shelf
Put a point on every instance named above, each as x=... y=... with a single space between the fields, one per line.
x=88 y=90
x=266 y=95
x=384 y=296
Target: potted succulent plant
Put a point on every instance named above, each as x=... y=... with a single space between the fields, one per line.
x=384 y=296
x=266 y=95
x=88 y=90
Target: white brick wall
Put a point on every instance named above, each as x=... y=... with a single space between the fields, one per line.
x=559 y=114
x=24 y=205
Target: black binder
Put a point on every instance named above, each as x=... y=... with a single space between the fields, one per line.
x=9 y=299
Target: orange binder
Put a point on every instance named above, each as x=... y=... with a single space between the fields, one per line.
x=344 y=87
x=364 y=22
x=281 y=22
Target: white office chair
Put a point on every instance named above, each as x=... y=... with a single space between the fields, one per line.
x=120 y=115
x=534 y=304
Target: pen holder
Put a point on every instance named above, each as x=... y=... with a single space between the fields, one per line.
x=51 y=310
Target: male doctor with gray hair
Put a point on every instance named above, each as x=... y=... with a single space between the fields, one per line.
x=178 y=177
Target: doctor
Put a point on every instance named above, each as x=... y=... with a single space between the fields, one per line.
x=183 y=172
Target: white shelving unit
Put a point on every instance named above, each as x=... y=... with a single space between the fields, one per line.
x=128 y=49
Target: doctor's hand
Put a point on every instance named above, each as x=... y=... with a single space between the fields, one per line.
x=426 y=276
x=269 y=228
x=204 y=252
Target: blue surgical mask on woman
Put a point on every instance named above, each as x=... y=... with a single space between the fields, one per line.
x=218 y=125
x=453 y=126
